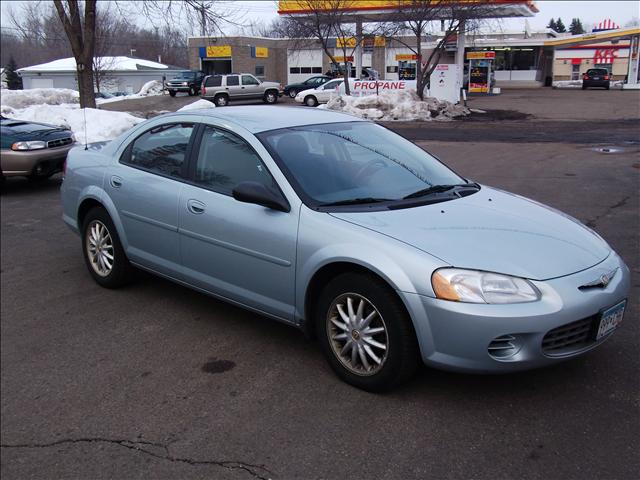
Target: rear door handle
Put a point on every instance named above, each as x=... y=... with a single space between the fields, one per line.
x=116 y=182
x=196 y=207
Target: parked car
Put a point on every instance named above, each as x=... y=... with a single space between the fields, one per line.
x=322 y=94
x=343 y=228
x=103 y=95
x=292 y=89
x=188 y=81
x=32 y=150
x=596 y=77
x=221 y=89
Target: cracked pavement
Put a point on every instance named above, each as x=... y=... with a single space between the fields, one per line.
x=158 y=381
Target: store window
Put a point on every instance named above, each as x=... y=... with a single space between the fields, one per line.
x=406 y=70
x=316 y=69
x=259 y=70
x=294 y=70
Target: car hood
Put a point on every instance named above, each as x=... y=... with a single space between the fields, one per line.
x=494 y=231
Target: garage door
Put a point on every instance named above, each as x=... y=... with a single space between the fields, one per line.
x=42 y=83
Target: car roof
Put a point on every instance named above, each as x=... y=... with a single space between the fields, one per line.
x=261 y=118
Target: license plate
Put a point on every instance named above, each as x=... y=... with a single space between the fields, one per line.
x=611 y=319
x=596 y=78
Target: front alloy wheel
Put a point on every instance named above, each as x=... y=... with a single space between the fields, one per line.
x=357 y=334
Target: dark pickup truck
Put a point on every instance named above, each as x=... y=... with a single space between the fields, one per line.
x=188 y=81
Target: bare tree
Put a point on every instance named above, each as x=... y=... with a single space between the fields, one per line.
x=81 y=34
x=324 y=21
x=416 y=18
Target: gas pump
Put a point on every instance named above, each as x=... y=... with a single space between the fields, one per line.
x=480 y=68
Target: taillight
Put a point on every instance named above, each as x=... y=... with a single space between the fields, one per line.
x=606 y=77
x=585 y=77
x=204 y=90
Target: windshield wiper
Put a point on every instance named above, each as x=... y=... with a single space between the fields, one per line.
x=439 y=189
x=355 y=201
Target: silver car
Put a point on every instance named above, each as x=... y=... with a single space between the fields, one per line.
x=342 y=228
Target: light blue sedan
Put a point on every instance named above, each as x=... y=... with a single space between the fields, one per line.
x=342 y=228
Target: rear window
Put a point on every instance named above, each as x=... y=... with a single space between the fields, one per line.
x=214 y=81
x=597 y=71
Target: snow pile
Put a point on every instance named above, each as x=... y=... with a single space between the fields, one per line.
x=397 y=105
x=202 y=103
x=154 y=87
x=578 y=83
x=101 y=124
x=38 y=96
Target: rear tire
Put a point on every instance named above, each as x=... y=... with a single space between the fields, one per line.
x=386 y=349
x=172 y=93
x=102 y=251
x=311 y=101
x=584 y=87
x=292 y=93
x=192 y=91
x=221 y=101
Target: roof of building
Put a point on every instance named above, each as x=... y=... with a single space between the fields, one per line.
x=252 y=117
x=112 y=64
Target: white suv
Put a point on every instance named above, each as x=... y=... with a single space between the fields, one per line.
x=221 y=89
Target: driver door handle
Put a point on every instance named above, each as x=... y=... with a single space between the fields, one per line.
x=196 y=207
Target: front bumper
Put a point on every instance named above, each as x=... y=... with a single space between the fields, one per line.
x=456 y=336
x=178 y=88
x=45 y=161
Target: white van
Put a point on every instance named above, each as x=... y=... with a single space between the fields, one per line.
x=322 y=94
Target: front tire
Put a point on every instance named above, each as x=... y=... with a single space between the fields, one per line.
x=270 y=98
x=192 y=91
x=103 y=252
x=365 y=332
x=311 y=101
x=172 y=93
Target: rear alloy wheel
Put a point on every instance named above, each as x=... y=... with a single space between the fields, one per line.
x=221 y=101
x=103 y=252
x=292 y=93
x=311 y=101
x=192 y=91
x=270 y=97
x=365 y=332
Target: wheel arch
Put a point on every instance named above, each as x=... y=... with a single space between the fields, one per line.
x=100 y=199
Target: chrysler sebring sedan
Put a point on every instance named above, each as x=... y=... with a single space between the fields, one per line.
x=342 y=228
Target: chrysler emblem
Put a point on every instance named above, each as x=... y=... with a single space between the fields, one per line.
x=602 y=281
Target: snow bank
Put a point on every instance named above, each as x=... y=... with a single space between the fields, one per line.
x=400 y=105
x=202 y=103
x=578 y=83
x=101 y=124
x=154 y=87
x=38 y=96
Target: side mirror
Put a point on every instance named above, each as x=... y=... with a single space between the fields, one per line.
x=257 y=193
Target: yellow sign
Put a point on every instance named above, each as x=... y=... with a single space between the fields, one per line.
x=406 y=56
x=343 y=59
x=379 y=42
x=341 y=42
x=362 y=6
x=480 y=55
x=218 y=51
x=262 y=52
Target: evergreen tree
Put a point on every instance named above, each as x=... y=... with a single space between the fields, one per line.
x=552 y=24
x=14 y=81
x=576 y=27
x=560 y=28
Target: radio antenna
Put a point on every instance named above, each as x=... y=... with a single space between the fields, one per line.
x=86 y=141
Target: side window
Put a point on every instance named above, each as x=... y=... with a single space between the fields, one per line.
x=161 y=150
x=331 y=85
x=232 y=81
x=224 y=160
x=249 y=80
x=214 y=81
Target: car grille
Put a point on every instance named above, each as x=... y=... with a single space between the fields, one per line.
x=569 y=338
x=61 y=142
x=503 y=346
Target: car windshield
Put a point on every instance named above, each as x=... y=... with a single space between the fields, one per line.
x=185 y=75
x=356 y=162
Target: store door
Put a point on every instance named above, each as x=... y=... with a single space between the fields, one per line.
x=219 y=67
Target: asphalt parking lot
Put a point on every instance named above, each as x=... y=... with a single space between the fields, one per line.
x=158 y=381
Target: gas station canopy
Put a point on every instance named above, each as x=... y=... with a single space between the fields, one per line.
x=383 y=10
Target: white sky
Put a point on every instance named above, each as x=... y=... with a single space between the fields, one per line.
x=590 y=12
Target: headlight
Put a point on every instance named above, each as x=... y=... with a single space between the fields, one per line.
x=184 y=83
x=472 y=286
x=34 y=145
